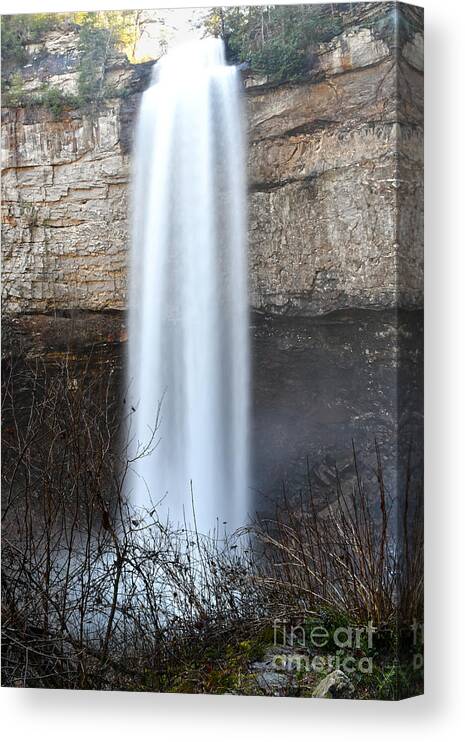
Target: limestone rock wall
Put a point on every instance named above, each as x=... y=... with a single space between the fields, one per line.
x=65 y=230
x=335 y=174
x=336 y=186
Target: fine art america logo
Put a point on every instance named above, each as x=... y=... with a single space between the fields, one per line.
x=319 y=649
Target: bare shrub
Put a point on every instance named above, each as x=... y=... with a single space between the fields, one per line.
x=360 y=556
x=98 y=595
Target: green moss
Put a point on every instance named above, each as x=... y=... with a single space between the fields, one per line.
x=49 y=97
x=13 y=91
x=56 y=101
x=218 y=667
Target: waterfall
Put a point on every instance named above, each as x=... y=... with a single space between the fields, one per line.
x=188 y=307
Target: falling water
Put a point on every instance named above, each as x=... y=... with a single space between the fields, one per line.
x=188 y=327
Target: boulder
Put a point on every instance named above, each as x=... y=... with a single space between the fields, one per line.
x=334 y=685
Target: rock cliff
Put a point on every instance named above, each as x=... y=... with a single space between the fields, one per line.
x=335 y=174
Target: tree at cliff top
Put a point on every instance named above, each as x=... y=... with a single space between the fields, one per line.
x=20 y=30
x=124 y=26
x=276 y=40
x=99 y=34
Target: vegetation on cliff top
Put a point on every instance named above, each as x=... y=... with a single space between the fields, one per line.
x=275 y=40
x=99 y=35
x=280 y=41
x=20 y=30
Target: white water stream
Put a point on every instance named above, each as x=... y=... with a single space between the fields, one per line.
x=188 y=308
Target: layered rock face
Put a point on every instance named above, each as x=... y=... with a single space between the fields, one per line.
x=336 y=178
x=335 y=174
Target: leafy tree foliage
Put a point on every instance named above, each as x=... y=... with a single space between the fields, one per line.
x=276 y=40
x=19 y=30
x=100 y=34
x=122 y=27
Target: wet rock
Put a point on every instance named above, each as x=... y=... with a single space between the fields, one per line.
x=74 y=333
x=334 y=685
x=273 y=677
x=272 y=683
